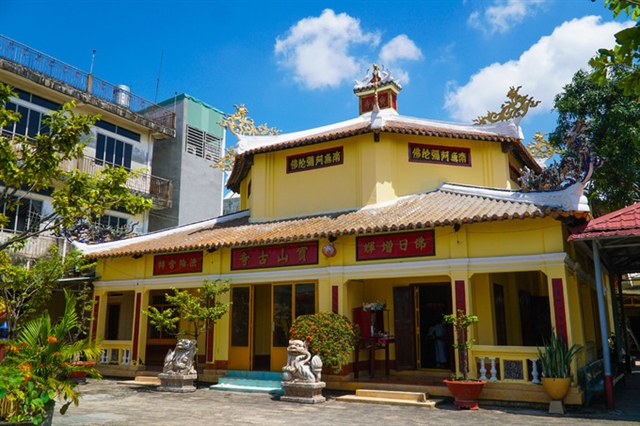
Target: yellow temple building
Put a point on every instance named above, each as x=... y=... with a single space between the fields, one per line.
x=415 y=216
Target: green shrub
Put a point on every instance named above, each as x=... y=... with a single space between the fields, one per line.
x=329 y=335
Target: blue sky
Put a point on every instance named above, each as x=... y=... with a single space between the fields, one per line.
x=293 y=63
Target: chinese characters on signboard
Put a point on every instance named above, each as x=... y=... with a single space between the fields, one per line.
x=315 y=160
x=274 y=256
x=181 y=263
x=387 y=246
x=455 y=156
x=385 y=100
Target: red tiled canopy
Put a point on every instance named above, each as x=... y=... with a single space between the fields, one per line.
x=618 y=237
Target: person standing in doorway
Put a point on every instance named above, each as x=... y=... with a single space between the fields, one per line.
x=439 y=333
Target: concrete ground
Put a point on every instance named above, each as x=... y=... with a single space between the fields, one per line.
x=106 y=402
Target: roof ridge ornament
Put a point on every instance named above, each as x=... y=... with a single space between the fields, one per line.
x=576 y=166
x=516 y=108
x=541 y=149
x=240 y=125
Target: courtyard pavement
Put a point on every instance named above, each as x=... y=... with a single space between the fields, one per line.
x=106 y=402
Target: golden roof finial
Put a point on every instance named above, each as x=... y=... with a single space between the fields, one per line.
x=239 y=124
x=540 y=148
x=376 y=78
x=517 y=106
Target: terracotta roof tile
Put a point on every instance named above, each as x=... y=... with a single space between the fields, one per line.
x=623 y=222
x=428 y=210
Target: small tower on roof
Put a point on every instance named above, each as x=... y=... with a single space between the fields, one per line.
x=379 y=88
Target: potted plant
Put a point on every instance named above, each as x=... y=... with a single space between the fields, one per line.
x=464 y=390
x=43 y=356
x=329 y=335
x=555 y=360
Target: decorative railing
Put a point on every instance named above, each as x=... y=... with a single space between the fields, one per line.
x=505 y=363
x=115 y=352
x=51 y=67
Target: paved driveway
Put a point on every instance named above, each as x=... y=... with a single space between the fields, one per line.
x=106 y=402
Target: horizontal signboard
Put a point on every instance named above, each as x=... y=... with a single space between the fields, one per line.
x=274 y=256
x=180 y=263
x=388 y=246
x=454 y=156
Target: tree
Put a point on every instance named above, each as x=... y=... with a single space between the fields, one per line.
x=201 y=310
x=33 y=164
x=625 y=53
x=23 y=290
x=613 y=131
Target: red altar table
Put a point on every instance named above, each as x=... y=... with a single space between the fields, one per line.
x=373 y=343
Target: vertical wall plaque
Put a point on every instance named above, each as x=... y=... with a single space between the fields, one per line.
x=558 y=309
x=136 y=329
x=461 y=302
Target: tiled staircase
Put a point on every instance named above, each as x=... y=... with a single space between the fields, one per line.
x=250 y=381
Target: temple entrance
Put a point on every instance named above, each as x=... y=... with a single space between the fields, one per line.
x=261 y=316
x=422 y=339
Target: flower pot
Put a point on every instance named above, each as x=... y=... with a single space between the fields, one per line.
x=465 y=392
x=81 y=374
x=557 y=389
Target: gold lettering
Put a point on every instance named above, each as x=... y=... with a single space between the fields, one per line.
x=302 y=253
x=283 y=256
x=387 y=246
x=369 y=247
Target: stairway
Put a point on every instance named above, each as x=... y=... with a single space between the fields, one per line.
x=414 y=399
x=250 y=381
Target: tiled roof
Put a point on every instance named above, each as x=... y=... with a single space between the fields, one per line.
x=444 y=207
x=623 y=222
x=617 y=236
x=391 y=122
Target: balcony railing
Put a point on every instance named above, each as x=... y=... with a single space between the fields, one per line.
x=51 y=67
x=160 y=189
x=34 y=248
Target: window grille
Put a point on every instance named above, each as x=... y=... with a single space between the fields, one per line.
x=203 y=144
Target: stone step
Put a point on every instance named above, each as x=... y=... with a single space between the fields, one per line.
x=142 y=381
x=415 y=399
x=406 y=396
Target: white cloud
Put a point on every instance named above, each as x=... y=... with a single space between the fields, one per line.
x=399 y=49
x=542 y=70
x=317 y=49
x=503 y=15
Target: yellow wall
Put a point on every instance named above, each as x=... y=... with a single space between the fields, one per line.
x=372 y=172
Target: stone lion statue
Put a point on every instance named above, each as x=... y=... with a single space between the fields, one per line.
x=180 y=360
x=301 y=367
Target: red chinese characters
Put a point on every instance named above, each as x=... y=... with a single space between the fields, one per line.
x=410 y=244
x=275 y=256
x=181 y=263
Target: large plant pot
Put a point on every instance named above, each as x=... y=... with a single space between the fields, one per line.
x=465 y=393
x=81 y=374
x=557 y=389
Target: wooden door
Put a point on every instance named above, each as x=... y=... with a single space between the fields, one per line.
x=241 y=331
x=289 y=302
x=404 y=322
